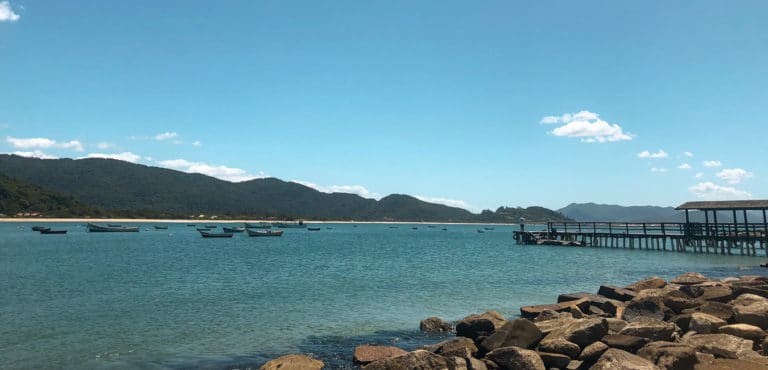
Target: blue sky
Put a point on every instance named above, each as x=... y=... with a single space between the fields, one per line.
x=474 y=104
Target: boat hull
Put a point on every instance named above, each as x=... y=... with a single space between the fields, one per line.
x=94 y=228
x=265 y=233
x=215 y=235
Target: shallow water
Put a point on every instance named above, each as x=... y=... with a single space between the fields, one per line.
x=170 y=299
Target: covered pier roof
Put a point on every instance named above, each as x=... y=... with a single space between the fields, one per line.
x=725 y=205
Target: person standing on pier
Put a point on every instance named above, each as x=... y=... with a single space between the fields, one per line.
x=522 y=223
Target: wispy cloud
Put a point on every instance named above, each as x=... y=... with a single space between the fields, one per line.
x=104 y=145
x=712 y=163
x=6 y=12
x=221 y=172
x=351 y=189
x=711 y=191
x=165 y=136
x=657 y=155
x=35 y=154
x=699 y=175
x=688 y=154
x=655 y=169
x=197 y=143
x=734 y=175
x=587 y=126
x=124 y=156
x=444 y=201
x=43 y=143
x=684 y=166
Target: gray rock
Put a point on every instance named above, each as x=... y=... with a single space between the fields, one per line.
x=561 y=346
x=548 y=326
x=651 y=329
x=615 y=325
x=435 y=325
x=629 y=343
x=293 y=362
x=554 y=360
x=683 y=321
x=745 y=331
x=617 y=293
x=419 y=359
x=721 y=345
x=475 y=326
x=709 y=292
x=530 y=312
x=519 y=333
x=747 y=299
x=575 y=365
x=721 y=310
x=649 y=283
x=516 y=358
x=454 y=347
x=582 y=332
x=642 y=310
x=670 y=356
x=592 y=352
x=703 y=323
x=547 y=315
x=755 y=314
x=689 y=278
x=616 y=359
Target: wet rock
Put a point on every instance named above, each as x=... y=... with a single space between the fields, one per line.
x=670 y=356
x=367 y=354
x=617 y=293
x=561 y=346
x=689 y=278
x=530 y=312
x=721 y=345
x=616 y=359
x=745 y=331
x=651 y=329
x=454 y=347
x=519 y=333
x=554 y=360
x=649 y=283
x=293 y=362
x=642 y=310
x=484 y=324
x=629 y=343
x=516 y=358
x=592 y=352
x=703 y=323
x=418 y=359
x=435 y=325
x=753 y=314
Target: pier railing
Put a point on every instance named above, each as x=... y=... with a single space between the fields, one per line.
x=691 y=229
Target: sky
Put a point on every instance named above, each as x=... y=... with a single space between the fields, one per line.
x=476 y=104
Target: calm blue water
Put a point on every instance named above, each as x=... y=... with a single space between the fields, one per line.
x=171 y=299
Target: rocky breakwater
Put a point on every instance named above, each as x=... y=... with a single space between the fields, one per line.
x=690 y=322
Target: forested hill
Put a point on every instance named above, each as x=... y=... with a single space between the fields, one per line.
x=20 y=197
x=616 y=213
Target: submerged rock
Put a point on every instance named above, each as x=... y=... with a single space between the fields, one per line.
x=475 y=326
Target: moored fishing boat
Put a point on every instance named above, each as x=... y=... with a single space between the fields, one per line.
x=207 y=234
x=39 y=228
x=260 y=225
x=313 y=228
x=290 y=225
x=264 y=232
x=233 y=229
x=161 y=227
x=51 y=231
x=94 y=228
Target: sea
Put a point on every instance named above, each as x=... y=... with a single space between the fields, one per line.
x=170 y=299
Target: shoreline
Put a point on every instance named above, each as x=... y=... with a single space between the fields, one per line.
x=200 y=221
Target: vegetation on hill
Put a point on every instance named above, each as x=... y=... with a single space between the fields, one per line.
x=17 y=197
x=513 y=215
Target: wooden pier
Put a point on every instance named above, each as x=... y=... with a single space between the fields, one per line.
x=737 y=236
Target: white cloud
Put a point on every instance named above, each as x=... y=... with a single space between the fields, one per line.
x=587 y=126
x=351 y=189
x=221 y=172
x=712 y=163
x=104 y=145
x=688 y=154
x=35 y=154
x=43 y=143
x=711 y=191
x=684 y=166
x=654 y=169
x=165 y=136
x=734 y=175
x=6 y=12
x=124 y=156
x=444 y=201
x=197 y=143
x=657 y=155
x=699 y=175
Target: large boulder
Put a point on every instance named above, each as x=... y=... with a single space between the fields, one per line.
x=629 y=343
x=293 y=362
x=745 y=331
x=689 y=278
x=617 y=293
x=554 y=360
x=454 y=347
x=516 y=358
x=416 y=360
x=367 y=354
x=731 y=364
x=561 y=346
x=435 y=325
x=547 y=326
x=646 y=309
x=530 y=312
x=581 y=332
x=703 y=323
x=547 y=315
x=721 y=345
x=747 y=299
x=519 y=333
x=670 y=356
x=649 y=283
x=709 y=292
x=592 y=352
x=480 y=325
x=616 y=359
x=652 y=329
x=721 y=310
x=753 y=314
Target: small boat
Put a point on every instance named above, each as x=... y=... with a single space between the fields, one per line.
x=260 y=225
x=94 y=228
x=51 y=231
x=39 y=228
x=393 y=227
x=207 y=234
x=233 y=229
x=114 y=225
x=264 y=232
x=313 y=228
x=445 y=229
x=480 y=231
x=489 y=228
x=290 y=225
x=157 y=227
x=414 y=228
x=210 y=226
x=191 y=225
